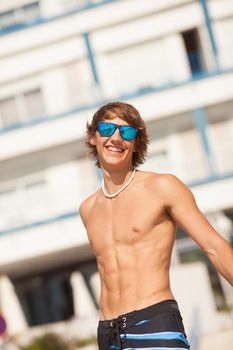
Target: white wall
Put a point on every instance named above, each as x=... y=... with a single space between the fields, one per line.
x=215 y=196
x=222 y=144
x=152 y=62
x=42 y=240
x=58 y=190
x=223 y=30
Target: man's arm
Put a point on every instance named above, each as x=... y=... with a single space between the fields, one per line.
x=85 y=209
x=182 y=206
x=83 y=212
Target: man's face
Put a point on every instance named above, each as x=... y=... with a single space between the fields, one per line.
x=114 y=150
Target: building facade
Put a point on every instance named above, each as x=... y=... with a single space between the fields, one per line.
x=59 y=61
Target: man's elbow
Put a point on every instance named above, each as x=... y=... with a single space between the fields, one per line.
x=219 y=250
x=210 y=252
x=215 y=247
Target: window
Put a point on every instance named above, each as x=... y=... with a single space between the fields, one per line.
x=148 y=59
x=31 y=11
x=158 y=161
x=79 y=82
x=34 y=103
x=78 y=4
x=48 y=297
x=19 y=15
x=8 y=112
x=176 y=147
x=193 y=49
x=220 y=128
x=22 y=201
x=22 y=107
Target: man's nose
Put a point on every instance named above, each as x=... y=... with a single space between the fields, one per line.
x=116 y=135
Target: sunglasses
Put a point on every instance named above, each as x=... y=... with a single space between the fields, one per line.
x=127 y=132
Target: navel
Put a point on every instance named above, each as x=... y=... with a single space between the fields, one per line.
x=136 y=229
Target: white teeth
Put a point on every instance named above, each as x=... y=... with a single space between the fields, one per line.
x=115 y=149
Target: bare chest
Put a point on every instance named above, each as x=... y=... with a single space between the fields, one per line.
x=123 y=221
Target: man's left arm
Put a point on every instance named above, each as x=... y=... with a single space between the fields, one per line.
x=182 y=207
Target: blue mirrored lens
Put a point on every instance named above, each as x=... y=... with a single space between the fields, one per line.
x=106 y=129
x=128 y=132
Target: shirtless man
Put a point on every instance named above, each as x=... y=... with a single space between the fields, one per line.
x=131 y=224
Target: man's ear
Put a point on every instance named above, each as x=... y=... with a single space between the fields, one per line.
x=92 y=141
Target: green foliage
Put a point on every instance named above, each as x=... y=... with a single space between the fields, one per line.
x=86 y=341
x=47 y=342
x=52 y=341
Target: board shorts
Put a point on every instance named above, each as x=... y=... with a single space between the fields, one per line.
x=156 y=327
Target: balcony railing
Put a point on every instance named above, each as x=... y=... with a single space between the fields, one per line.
x=127 y=95
x=24 y=23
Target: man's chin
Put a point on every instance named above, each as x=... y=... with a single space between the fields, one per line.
x=114 y=158
x=113 y=163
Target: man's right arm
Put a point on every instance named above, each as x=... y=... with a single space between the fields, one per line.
x=85 y=209
x=83 y=212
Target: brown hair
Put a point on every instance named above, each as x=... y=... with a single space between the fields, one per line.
x=126 y=112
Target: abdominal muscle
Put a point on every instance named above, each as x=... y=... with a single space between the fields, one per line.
x=132 y=278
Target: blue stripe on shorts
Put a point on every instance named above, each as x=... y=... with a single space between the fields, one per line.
x=157 y=327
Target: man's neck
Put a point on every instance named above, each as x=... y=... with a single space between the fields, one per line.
x=115 y=179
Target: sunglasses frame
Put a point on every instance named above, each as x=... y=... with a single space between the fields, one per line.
x=120 y=127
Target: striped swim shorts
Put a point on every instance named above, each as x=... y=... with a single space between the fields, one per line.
x=156 y=327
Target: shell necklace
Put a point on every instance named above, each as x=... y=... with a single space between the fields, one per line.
x=120 y=190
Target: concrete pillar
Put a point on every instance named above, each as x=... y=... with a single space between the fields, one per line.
x=83 y=304
x=11 y=308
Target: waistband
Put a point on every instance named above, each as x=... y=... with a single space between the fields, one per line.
x=128 y=319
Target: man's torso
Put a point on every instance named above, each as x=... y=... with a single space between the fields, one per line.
x=132 y=236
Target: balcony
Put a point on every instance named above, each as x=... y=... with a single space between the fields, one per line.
x=31 y=15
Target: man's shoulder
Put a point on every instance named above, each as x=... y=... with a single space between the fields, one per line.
x=160 y=178
x=89 y=201
x=162 y=182
x=87 y=204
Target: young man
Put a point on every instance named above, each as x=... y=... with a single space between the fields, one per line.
x=131 y=223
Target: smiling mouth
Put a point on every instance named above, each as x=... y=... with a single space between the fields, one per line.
x=115 y=149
